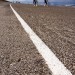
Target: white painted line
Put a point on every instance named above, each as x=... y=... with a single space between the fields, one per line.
x=52 y=61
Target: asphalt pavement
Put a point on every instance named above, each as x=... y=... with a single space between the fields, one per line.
x=55 y=26
x=18 y=55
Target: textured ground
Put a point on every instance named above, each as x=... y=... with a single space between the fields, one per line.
x=18 y=55
x=55 y=26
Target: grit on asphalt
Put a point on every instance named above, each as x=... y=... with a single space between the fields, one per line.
x=55 y=26
x=18 y=55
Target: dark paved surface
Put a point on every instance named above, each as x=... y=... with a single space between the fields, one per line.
x=18 y=55
x=55 y=26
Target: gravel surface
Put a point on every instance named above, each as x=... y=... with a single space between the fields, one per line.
x=55 y=26
x=18 y=55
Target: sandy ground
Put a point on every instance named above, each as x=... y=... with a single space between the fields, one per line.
x=55 y=26
x=18 y=55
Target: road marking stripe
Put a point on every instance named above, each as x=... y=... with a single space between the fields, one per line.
x=52 y=61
